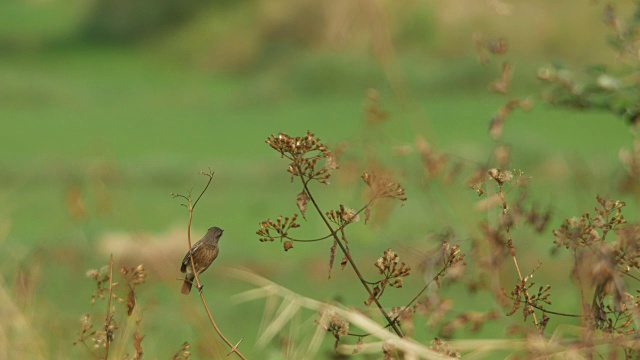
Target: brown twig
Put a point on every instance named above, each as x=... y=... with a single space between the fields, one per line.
x=107 y=320
x=190 y=207
x=440 y=273
x=512 y=251
x=347 y=254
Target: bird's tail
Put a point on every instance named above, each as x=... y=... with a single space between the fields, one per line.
x=186 y=285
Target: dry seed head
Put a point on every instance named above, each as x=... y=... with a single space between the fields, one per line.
x=574 y=222
x=500 y=176
x=331 y=164
x=92 y=273
x=380 y=264
x=139 y=275
x=546 y=74
x=332 y=322
x=350 y=216
x=367 y=178
x=390 y=255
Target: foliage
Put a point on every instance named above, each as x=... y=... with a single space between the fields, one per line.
x=614 y=89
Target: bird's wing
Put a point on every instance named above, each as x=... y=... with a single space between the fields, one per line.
x=187 y=258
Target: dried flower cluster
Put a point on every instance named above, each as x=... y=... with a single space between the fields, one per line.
x=521 y=295
x=453 y=262
x=106 y=290
x=304 y=152
x=393 y=271
x=602 y=263
x=101 y=277
x=333 y=323
x=443 y=348
x=184 y=353
x=134 y=277
x=383 y=187
x=500 y=176
x=588 y=230
x=97 y=337
x=281 y=228
x=343 y=216
x=388 y=266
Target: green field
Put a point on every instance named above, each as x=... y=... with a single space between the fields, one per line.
x=108 y=132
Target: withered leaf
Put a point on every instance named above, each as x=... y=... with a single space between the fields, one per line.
x=137 y=342
x=369 y=300
x=302 y=201
x=288 y=245
x=367 y=214
x=332 y=257
x=131 y=302
x=374 y=294
x=358 y=347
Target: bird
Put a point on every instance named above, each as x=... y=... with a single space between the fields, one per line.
x=204 y=252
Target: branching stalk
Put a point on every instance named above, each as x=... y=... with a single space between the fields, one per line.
x=347 y=254
x=191 y=207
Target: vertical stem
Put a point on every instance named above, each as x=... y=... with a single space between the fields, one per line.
x=191 y=207
x=346 y=253
x=107 y=320
x=512 y=251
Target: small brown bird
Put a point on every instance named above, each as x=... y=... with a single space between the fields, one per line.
x=204 y=252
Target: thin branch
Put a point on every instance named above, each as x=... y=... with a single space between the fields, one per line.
x=545 y=310
x=107 y=320
x=330 y=235
x=191 y=207
x=210 y=176
x=629 y=275
x=440 y=273
x=513 y=256
x=346 y=253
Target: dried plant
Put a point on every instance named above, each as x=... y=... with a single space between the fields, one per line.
x=98 y=341
x=601 y=265
x=612 y=88
x=603 y=246
x=184 y=353
x=331 y=318
x=305 y=154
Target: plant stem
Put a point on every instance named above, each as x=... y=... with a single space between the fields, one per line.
x=346 y=253
x=107 y=320
x=191 y=207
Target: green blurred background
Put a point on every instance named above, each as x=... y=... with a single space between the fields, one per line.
x=108 y=106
